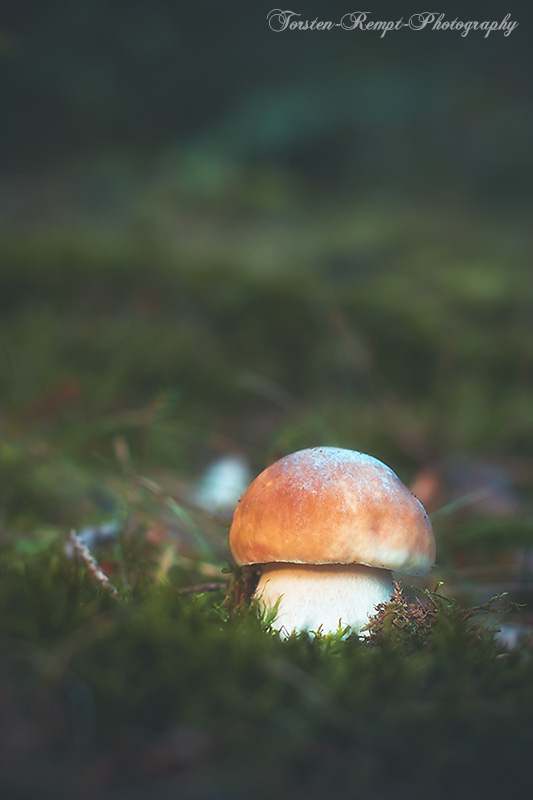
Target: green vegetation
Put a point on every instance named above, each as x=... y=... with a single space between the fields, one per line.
x=127 y=368
x=172 y=692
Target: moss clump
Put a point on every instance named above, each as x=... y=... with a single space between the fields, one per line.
x=241 y=585
x=408 y=624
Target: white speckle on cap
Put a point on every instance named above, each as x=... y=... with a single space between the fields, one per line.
x=323 y=465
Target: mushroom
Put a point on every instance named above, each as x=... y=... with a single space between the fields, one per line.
x=329 y=525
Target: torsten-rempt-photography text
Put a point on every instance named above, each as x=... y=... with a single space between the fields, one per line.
x=281 y=20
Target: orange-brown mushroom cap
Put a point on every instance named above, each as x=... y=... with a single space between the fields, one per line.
x=328 y=505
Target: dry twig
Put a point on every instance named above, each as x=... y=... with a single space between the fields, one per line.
x=200 y=588
x=83 y=554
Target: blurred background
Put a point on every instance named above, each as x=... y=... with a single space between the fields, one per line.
x=220 y=244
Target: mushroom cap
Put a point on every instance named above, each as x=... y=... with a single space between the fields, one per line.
x=328 y=505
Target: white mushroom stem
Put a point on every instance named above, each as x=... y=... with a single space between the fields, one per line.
x=315 y=597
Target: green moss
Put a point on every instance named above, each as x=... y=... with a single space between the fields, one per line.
x=399 y=713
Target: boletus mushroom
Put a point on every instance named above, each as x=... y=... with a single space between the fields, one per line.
x=329 y=525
